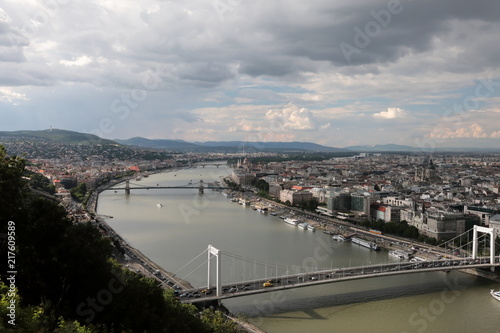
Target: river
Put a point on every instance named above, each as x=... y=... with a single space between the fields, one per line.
x=177 y=233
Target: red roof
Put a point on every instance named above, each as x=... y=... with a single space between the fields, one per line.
x=300 y=188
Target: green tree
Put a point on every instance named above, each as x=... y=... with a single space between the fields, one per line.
x=40 y=182
x=79 y=192
x=12 y=187
x=219 y=322
x=262 y=185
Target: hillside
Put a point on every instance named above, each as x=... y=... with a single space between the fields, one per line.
x=60 y=136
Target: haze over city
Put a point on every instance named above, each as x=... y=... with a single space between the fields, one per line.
x=419 y=73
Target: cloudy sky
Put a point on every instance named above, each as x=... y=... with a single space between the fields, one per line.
x=334 y=72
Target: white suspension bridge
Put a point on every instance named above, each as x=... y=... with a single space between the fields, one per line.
x=226 y=280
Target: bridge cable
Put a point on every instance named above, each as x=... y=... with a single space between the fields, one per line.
x=273 y=265
x=199 y=255
x=185 y=277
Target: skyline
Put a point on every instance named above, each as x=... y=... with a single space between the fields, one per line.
x=336 y=74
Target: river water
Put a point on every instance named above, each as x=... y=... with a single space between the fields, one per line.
x=175 y=236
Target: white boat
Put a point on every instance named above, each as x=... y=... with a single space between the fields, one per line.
x=244 y=202
x=291 y=221
x=340 y=238
x=495 y=294
x=303 y=225
x=310 y=227
x=362 y=242
x=397 y=254
x=159 y=205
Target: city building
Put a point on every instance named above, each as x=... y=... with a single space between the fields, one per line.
x=443 y=225
x=295 y=197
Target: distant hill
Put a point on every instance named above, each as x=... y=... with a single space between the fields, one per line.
x=262 y=146
x=60 y=136
x=175 y=145
x=402 y=148
x=381 y=148
x=228 y=146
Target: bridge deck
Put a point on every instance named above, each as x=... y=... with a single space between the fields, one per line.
x=331 y=276
x=166 y=187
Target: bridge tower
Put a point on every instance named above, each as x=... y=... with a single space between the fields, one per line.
x=127 y=187
x=218 y=277
x=489 y=231
x=200 y=188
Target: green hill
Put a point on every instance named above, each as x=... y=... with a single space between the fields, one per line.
x=61 y=136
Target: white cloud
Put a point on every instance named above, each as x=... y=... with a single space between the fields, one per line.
x=79 y=61
x=391 y=113
x=7 y=95
x=291 y=117
x=325 y=126
x=495 y=135
x=471 y=131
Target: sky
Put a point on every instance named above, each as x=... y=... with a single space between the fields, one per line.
x=333 y=72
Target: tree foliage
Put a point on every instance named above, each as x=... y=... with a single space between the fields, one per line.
x=309 y=205
x=41 y=183
x=393 y=228
x=79 y=192
x=262 y=185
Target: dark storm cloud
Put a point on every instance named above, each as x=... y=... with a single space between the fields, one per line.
x=379 y=31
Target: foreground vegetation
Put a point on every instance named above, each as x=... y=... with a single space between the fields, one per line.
x=66 y=280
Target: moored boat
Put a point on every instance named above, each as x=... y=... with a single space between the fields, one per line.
x=364 y=243
x=397 y=254
x=303 y=225
x=340 y=238
x=244 y=202
x=495 y=294
x=291 y=221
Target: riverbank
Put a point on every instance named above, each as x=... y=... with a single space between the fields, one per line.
x=132 y=258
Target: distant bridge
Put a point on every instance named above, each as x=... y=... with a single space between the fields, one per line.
x=202 y=164
x=199 y=185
